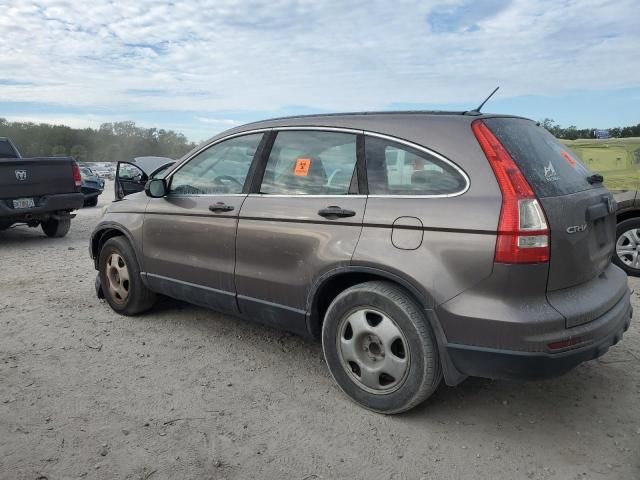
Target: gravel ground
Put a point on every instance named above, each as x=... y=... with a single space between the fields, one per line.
x=183 y=392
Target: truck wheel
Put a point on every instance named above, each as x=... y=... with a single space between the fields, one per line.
x=120 y=277
x=55 y=227
x=380 y=348
x=627 y=254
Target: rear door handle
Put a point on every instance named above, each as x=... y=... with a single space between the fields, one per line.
x=220 y=207
x=333 y=212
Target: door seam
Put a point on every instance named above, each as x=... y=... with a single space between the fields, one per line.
x=364 y=213
x=235 y=255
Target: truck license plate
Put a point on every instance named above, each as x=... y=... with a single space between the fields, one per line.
x=23 y=203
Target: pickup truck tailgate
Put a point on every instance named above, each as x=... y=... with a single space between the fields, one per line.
x=33 y=177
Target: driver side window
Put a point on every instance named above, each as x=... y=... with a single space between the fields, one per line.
x=221 y=168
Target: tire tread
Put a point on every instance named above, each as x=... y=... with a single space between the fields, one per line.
x=432 y=375
x=56 y=228
x=142 y=299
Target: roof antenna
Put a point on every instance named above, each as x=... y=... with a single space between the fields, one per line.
x=477 y=109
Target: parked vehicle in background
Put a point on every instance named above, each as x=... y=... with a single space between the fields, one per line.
x=92 y=186
x=492 y=259
x=105 y=171
x=38 y=191
x=618 y=160
x=132 y=176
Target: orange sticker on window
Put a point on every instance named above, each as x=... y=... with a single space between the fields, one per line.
x=302 y=167
x=568 y=158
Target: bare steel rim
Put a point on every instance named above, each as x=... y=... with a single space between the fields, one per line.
x=373 y=350
x=117 y=278
x=628 y=248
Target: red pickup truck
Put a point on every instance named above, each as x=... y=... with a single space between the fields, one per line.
x=38 y=191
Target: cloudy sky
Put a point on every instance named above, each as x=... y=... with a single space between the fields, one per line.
x=203 y=66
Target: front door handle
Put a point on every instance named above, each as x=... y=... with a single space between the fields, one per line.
x=220 y=207
x=333 y=212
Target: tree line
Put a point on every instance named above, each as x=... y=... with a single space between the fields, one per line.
x=573 y=133
x=125 y=140
x=109 y=143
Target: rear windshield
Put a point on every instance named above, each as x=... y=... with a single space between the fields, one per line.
x=551 y=168
x=6 y=150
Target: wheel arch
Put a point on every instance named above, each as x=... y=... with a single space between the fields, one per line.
x=104 y=233
x=329 y=286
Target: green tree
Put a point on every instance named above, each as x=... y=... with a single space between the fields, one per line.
x=110 y=142
x=79 y=153
x=551 y=125
x=59 y=151
x=572 y=133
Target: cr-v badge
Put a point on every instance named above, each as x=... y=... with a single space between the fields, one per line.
x=577 y=228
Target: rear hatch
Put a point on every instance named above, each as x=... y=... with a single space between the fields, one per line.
x=35 y=177
x=580 y=214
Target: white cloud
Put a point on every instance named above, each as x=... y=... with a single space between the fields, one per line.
x=231 y=55
x=73 y=121
x=219 y=121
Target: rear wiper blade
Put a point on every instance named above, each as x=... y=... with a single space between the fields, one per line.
x=595 y=178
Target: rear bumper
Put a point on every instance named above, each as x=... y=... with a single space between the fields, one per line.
x=89 y=192
x=601 y=333
x=44 y=205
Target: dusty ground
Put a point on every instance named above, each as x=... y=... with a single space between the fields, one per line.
x=186 y=393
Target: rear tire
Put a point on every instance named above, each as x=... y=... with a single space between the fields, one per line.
x=380 y=348
x=627 y=254
x=56 y=228
x=91 y=202
x=120 y=278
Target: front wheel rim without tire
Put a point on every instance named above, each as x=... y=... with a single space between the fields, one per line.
x=118 y=282
x=373 y=350
x=628 y=248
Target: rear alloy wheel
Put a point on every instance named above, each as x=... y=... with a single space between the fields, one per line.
x=380 y=348
x=373 y=350
x=120 y=277
x=628 y=246
x=56 y=227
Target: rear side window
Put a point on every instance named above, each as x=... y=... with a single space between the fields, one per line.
x=310 y=163
x=396 y=169
x=6 y=150
x=550 y=168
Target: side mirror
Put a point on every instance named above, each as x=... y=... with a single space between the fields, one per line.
x=156 y=188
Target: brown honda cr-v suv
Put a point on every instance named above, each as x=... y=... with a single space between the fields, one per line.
x=416 y=245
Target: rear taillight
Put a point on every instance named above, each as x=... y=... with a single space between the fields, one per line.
x=523 y=234
x=77 y=177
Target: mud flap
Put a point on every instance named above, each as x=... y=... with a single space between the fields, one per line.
x=452 y=376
